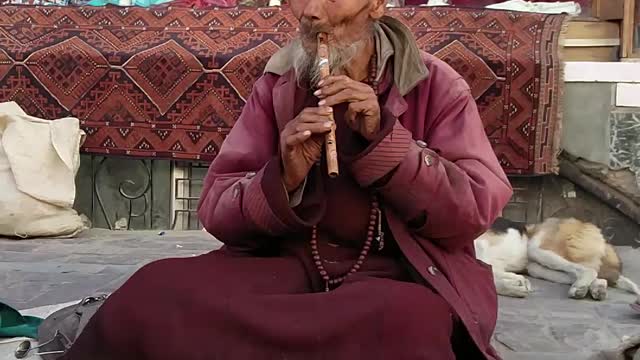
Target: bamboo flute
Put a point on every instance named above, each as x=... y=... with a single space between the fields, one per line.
x=330 y=138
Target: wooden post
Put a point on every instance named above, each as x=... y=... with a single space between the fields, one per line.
x=628 y=28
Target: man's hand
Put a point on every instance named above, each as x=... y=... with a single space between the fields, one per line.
x=301 y=144
x=363 y=114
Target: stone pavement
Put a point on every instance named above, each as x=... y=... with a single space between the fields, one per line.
x=546 y=326
x=49 y=271
x=550 y=326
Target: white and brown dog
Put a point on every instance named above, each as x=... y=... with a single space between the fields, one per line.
x=565 y=251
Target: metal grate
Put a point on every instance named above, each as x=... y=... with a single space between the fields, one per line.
x=121 y=194
x=187 y=181
x=525 y=205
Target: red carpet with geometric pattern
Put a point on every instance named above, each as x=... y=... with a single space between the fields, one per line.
x=170 y=82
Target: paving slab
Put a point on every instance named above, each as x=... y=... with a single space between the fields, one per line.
x=546 y=326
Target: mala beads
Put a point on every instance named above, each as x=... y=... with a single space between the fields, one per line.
x=375 y=223
x=374 y=230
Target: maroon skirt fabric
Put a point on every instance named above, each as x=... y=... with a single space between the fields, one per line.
x=223 y=306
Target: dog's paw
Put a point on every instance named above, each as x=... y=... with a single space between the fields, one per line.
x=525 y=284
x=580 y=288
x=578 y=292
x=598 y=289
x=518 y=286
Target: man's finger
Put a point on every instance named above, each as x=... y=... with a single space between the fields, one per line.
x=313 y=118
x=315 y=128
x=331 y=89
x=332 y=86
x=336 y=87
x=351 y=114
x=332 y=79
x=318 y=116
x=342 y=97
x=297 y=138
x=324 y=111
x=356 y=110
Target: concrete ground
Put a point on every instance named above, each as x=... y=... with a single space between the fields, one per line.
x=48 y=271
x=547 y=325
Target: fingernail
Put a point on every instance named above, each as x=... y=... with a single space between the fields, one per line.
x=317 y=92
x=322 y=102
x=320 y=82
x=328 y=124
x=328 y=109
x=307 y=133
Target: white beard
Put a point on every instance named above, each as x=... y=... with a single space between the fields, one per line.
x=305 y=64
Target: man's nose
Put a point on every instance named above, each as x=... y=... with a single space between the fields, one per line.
x=313 y=12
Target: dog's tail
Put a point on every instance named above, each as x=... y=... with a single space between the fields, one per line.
x=626 y=284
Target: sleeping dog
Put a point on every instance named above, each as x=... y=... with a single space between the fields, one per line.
x=565 y=251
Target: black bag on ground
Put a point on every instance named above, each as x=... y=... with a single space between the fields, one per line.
x=59 y=330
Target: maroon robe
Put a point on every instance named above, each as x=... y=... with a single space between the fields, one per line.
x=261 y=296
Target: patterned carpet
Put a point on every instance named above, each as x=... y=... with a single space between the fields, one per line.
x=170 y=83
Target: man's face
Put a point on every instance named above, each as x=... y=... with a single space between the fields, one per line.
x=349 y=25
x=346 y=21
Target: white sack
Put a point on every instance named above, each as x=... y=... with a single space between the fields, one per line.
x=39 y=160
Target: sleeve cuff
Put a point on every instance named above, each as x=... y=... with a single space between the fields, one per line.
x=267 y=203
x=383 y=155
x=256 y=207
x=296 y=197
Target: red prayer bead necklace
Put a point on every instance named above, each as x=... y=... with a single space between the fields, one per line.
x=375 y=218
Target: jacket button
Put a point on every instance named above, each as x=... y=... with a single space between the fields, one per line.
x=428 y=160
x=421 y=144
x=432 y=270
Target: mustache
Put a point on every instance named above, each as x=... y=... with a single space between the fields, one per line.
x=310 y=32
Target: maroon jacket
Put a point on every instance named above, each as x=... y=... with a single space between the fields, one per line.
x=446 y=173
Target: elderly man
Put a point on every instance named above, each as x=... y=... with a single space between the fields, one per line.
x=377 y=263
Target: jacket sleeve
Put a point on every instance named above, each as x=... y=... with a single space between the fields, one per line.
x=448 y=188
x=244 y=202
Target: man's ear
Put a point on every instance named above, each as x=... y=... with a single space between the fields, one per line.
x=377 y=8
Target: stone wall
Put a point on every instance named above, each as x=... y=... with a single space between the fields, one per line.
x=624 y=141
x=601 y=125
